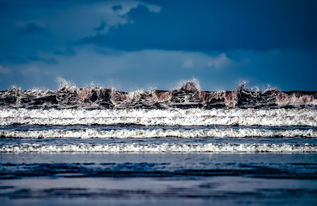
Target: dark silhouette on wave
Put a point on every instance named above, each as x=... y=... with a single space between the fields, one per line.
x=188 y=95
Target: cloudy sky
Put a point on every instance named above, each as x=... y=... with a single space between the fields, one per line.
x=147 y=44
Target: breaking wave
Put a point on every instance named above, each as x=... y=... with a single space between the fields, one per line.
x=184 y=120
x=158 y=133
x=182 y=117
x=188 y=95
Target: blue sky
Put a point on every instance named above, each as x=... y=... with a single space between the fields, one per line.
x=130 y=44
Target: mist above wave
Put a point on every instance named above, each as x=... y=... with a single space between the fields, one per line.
x=188 y=95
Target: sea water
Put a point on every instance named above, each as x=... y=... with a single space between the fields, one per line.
x=150 y=156
x=99 y=146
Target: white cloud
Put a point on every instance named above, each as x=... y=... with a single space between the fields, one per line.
x=152 y=8
x=164 y=68
x=30 y=70
x=188 y=63
x=4 y=70
x=197 y=60
x=79 y=20
x=135 y=69
x=219 y=62
x=115 y=17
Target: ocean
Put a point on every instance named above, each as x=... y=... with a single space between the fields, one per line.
x=96 y=146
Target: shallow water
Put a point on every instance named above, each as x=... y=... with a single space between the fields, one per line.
x=141 y=179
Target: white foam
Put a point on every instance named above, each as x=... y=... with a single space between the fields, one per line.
x=160 y=148
x=158 y=133
x=272 y=117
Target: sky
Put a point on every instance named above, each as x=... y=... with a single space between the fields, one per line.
x=158 y=44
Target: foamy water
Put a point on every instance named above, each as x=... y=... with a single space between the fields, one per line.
x=185 y=117
x=254 y=125
x=159 y=133
x=161 y=148
x=31 y=119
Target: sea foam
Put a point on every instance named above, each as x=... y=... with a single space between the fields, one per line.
x=263 y=117
x=159 y=133
x=160 y=148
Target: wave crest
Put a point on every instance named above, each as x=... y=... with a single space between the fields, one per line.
x=188 y=95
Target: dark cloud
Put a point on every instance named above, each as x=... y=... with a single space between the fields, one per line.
x=19 y=58
x=101 y=27
x=65 y=52
x=13 y=58
x=32 y=28
x=44 y=4
x=45 y=35
x=217 y=25
x=45 y=60
x=117 y=8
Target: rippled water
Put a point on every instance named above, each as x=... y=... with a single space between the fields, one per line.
x=141 y=179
